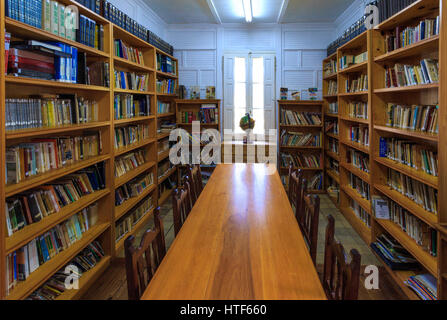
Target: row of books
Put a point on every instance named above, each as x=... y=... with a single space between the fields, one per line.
x=116 y=16
x=358 y=160
x=126 y=136
x=315 y=183
x=362 y=187
x=418 y=118
x=331 y=126
x=393 y=254
x=167 y=86
x=295 y=139
x=333 y=108
x=388 y=8
x=424 y=285
x=163 y=146
x=204 y=115
x=129 y=162
x=400 y=38
x=333 y=165
x=359 y=134
x=33 y=206
x=420 y=193
x=164 y=168
x=419 y=231
x=131 y=81
x=332 y=145
x=410 y=154
x=358 y=110
x=49 y=111
x=401 y=75
x=133 y=188
x=163 y=107
x=289 y=117
x=86 y=260
x=124 y=51
x=360 y=213
x=332 y=89
x=359 y=84
x=129 y=106
x=23 y=262
x=44 y=155
x=126 y=224
x=166 y=126
x=166 y=64
x=330 y=68
x=351 y=60
x=299 y=160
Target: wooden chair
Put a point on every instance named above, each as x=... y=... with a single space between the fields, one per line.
x=341 y=278
x=308 y=215
x=295 y=183
x=143 y=261
x=195 y=180
x=181 y=205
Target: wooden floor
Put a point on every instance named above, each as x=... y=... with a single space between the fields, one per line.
x=112 y=285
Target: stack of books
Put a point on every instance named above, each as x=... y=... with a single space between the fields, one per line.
x=359 y=134
x=129 y=135
x=424 y=285
x=418 y=118
x=360 y=213
x=167 y=86
x=358 y=110
x=302 y=139
x=129 y=162
x=332 y=88
x=129 y=106
x=126 y=224
x=410 y=75
x=131 y=81
x=289 y=117
x=351 y=60
x=316 y=182
x=358 y=160
x=393 y=254
x=300 y=160
x=166 y=64
x=362 y=187
x=359 y=84
x=133 y=188
x=124 y=51
x=330 y=68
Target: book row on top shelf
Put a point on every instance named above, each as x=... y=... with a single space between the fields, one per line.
x=80 y=138
x=382 y=164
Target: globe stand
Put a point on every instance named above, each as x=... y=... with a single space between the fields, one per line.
x=249 y=137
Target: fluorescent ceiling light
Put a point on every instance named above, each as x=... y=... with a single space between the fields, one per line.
x=248 y=10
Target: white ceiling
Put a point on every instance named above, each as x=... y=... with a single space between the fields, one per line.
x=264 y=11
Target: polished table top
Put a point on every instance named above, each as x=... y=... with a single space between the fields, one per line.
x=241 y=241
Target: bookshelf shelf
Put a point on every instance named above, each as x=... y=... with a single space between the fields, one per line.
x=120 y=62
x=144 y=220
x=416 y=49
x=406 y=203
x=49 y=83
x=117 y=90
x=330 y=76
x=302 y=147
x=409 y=133
x=166 y=115
x=120 y=33
x=26 y=31
x=166 y=95
x=302 y=168
x=167 y=175
x=41 y=179
x=363 y=231
x=419 y=87
x=166 y=75
x=334 y=175
x=353 y=194
x=163 y=135
x=353 y=94
x=331 y=115
x=359 y=67
x=132 y=202
x=333 y=136
x=301 y=126
x=133 y=174
x=27 y=133
x=30 y=232
x=164 y=196
x=365 y=176
x=45 y=271
x=132 y=120
x=163 y=155
x=357 y=120
x=356 y=145
x=333 y=155
x=132 y=147
x=428 y=261
x=331 y=96
x=87 y=278
x=419 y=175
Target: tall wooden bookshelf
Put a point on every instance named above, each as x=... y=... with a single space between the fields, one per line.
x=104 y=230
x=331 y=139
x=378 y=97
x=302 y=106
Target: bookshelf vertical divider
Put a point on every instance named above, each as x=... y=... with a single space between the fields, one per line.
x=104 y=230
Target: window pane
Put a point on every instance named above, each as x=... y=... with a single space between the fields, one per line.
x=258 y=70
x=258 y=95
x=258 y=115
x=240 y=70
x=240 y=95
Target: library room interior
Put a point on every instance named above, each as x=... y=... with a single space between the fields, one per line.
x=253 y=150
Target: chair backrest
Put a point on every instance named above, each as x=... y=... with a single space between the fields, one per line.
x=195 y=180
x=143 y=261
x=181 y=205
x=295 y=183
x=308 y=218
x=341 y=277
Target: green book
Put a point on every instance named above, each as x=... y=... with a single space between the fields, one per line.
x=62 y=21
x=46 y=15
x=55 y=17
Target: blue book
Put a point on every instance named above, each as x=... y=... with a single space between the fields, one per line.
x=74 y=65
x=21 y=10
x=59 y=63
x=15 y=266
x=45 y=252
x=415 y=116
x=68 y=64
x=383 y=148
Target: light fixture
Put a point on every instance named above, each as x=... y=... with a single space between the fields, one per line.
x=248 y=10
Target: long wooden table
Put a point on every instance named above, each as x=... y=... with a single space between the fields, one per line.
x=241 y=241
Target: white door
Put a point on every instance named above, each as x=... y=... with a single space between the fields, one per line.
x=249 y=87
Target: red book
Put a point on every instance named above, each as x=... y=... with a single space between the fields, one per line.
x=28 y=217
x=7 y=43
x=28 y=61
x=31 y=55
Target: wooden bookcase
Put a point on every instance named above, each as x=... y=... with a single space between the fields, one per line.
x=332 y=177
x=302 y=106
x=104 y=230
x=378 y=97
